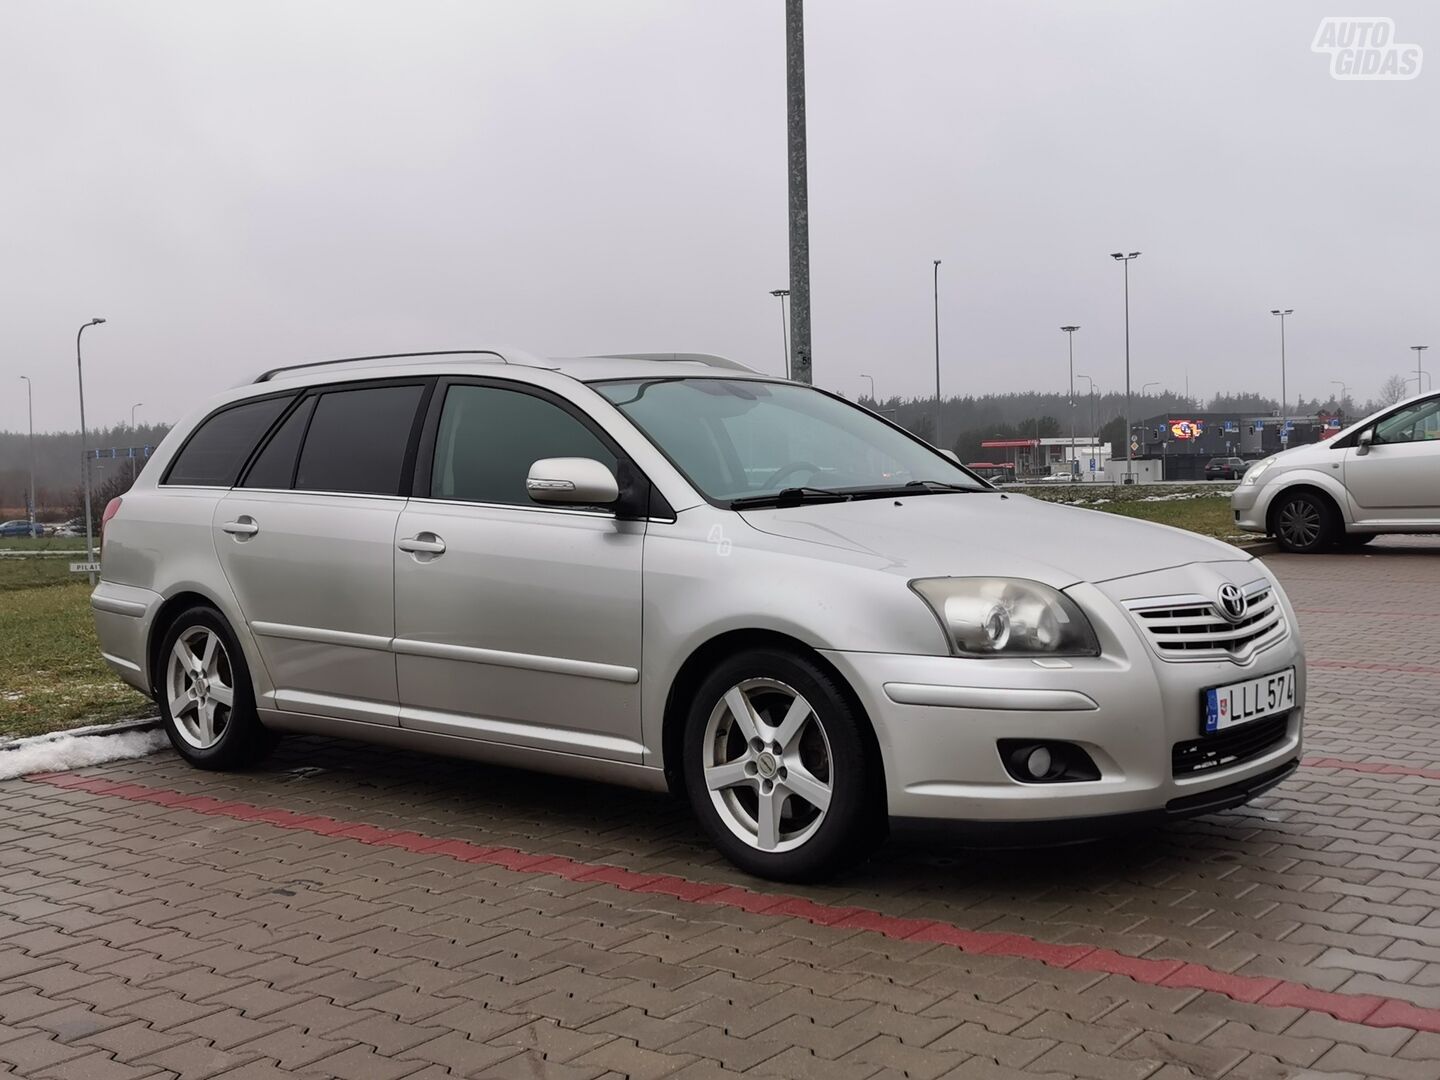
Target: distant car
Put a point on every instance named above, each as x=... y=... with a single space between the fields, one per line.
x=19 y=527
x=1225 y=468
x=1381 y=475
x=71 y=529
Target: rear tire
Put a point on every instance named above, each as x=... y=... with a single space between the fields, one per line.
x=1304 y=522
x=205 y=696
x=779 y=768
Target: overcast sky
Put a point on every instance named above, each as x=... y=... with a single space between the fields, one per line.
x=237 y=185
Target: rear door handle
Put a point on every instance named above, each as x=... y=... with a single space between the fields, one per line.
x=244 y=526
x=425 y=543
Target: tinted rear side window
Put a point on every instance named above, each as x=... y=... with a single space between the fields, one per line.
x=214 y=455
x=357 y=440
x=275 y=465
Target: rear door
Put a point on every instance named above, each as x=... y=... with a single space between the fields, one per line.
x=516 y=623
x=306 y=543
x=1397 y=480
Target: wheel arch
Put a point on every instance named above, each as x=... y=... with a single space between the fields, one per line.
x=692 y=672
x=183 y=598
x=1309 y=487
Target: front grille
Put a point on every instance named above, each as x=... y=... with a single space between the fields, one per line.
x=1193 y=628
x=1234 y=746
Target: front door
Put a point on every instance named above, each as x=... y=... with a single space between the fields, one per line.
x=1397 y=480
x=516 y=623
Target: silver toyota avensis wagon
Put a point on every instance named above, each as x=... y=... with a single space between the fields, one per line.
x=673 y=572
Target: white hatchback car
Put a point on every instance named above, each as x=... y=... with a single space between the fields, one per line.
x=676 y=573
x=1381 y=475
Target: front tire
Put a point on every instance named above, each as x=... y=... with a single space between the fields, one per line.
x=779 y=770
x=205 y=695
x=1304 y=523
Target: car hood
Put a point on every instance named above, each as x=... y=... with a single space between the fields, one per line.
x=1004 y=535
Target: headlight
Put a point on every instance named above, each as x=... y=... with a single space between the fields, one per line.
x=1252 y=474
x=987 y=617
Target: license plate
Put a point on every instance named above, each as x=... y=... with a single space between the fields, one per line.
x=1241 y=702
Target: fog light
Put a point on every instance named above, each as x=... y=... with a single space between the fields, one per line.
x=1038 y=763
x=1048 y=761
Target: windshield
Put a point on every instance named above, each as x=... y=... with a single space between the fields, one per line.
x=738 y=439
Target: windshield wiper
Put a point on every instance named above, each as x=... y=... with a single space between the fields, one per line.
x=915 y=487
x=791 y=496
x=943 y=485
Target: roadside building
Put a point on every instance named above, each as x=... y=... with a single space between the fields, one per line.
x=1034 y=459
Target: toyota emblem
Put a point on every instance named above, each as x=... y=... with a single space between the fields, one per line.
x=1232 y=602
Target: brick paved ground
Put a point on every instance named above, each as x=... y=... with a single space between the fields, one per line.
x=140 y=938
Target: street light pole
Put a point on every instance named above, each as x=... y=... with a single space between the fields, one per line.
x=1074 y=461
x=1283 y=394
x=30 y=400
x=1146 y=388
x=799 y=188
x=1344 y=391
x=784 y=339
x=134 y=469
x=1419 y=352
x=872 y=387
x=938 y=441
x=1121 y=257
x=84 y=451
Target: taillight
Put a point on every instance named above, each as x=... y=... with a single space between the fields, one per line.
x=111 y=509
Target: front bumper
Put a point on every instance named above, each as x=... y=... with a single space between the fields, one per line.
x=938 y=720
x=1249 y=509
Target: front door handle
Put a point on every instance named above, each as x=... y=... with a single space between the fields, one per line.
x=425 y=543
x=242 y=527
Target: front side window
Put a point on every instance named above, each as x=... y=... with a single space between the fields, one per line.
x=357 y=440
x=1418 y=422
x=214 y=455
x=739 y=439
x=489 y=437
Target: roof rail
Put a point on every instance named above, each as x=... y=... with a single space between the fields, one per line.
x=708 y=359
x=268 y=375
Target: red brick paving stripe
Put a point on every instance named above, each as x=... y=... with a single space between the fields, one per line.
x=1382 y=768
x=1364 y=1009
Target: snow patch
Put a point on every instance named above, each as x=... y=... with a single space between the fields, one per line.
x=62 y=751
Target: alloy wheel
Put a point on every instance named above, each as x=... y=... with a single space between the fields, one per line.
x=199 y=683
x=768 y=765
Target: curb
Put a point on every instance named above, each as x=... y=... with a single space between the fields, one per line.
x=83 y=732
x=1260 y=547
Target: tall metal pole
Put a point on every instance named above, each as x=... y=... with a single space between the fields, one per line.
x=938 y=441
x=799 y=191
x=1284 y=393
x=1074 y=461
x=84 y=450
x=1419 y=382
x=1129 y=450
x=30 y=396
x=872 y=387
x=784 y=336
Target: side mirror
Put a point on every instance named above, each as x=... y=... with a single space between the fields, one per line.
x=1362 y=444
x=572 y=481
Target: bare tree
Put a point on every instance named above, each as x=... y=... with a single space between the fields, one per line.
x=1393 y=389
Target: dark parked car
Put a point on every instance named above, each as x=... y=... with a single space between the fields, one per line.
x=19 y=527
x=1225 y=468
